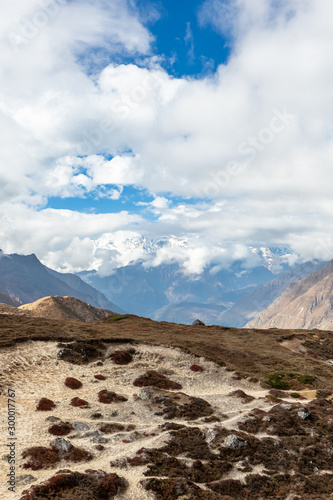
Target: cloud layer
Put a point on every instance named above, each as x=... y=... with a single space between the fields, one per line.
x=248 y=149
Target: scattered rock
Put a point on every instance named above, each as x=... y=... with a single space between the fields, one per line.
x=62 y=446
x=51 y=418
x=211 y=435
x=146 y=393
x=304 y=413
x=198 y=322
x=100 y=439
x=25 y=479
x=234 y=442
x=90 y=434
x=80 y=426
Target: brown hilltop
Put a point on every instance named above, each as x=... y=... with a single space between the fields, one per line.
x=64 y=308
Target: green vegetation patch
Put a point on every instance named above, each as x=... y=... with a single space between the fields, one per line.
x=117 y=317
x=276 y=381
x=306 y=379
x=295 y=395
x=286 y=381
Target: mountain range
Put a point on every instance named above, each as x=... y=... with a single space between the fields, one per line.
x=166 y=293
x=24 y=279
x=233 y=297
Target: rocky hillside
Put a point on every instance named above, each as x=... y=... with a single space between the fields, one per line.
x=307 y=303
x=249 y=306
x=110 y=413
x=5 y=299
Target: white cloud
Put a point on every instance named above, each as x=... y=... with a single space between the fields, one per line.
x=169 y=136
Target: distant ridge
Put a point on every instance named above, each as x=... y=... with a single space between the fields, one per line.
x=307 y=304
x=249 y=306
x=5 y=299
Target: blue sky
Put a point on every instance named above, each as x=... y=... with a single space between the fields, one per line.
x=187 y=48
x=204 y=123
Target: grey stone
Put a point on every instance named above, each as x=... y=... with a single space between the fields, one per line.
x=90 y=434
x=234 y=442
x=303 y=413
x=100 y=440
x=211 y=435
x=25 y=479
x=52 y=419
x=197 y=322
x=266 y=419
x=62 y=445
x=286 y=406
x=80 y=426
x=146 y=393
x=119 y=436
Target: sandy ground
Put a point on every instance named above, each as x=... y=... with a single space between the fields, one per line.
x=33 y=371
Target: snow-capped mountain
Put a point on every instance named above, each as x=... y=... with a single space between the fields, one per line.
x=167 y=292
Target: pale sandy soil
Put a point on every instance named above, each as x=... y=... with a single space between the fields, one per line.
x=33 y=371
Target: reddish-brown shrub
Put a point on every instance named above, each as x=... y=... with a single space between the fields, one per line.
x=122 y=357
x=73 y=383
x=100 y=377
x=111 y=428
x=61 y=429
x=80 y=402
x=78 y=455
x=45 y=404
x=196 y=368
x=137 y=461
x=92 y=485
x=154 y=379
x=108 y=397
x=40 y=457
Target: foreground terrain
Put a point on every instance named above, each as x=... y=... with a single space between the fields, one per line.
x=128 y=408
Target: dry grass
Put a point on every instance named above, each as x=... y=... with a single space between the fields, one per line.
x=250 y=352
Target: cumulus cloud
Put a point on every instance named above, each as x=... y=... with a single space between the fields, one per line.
x=253 y=141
